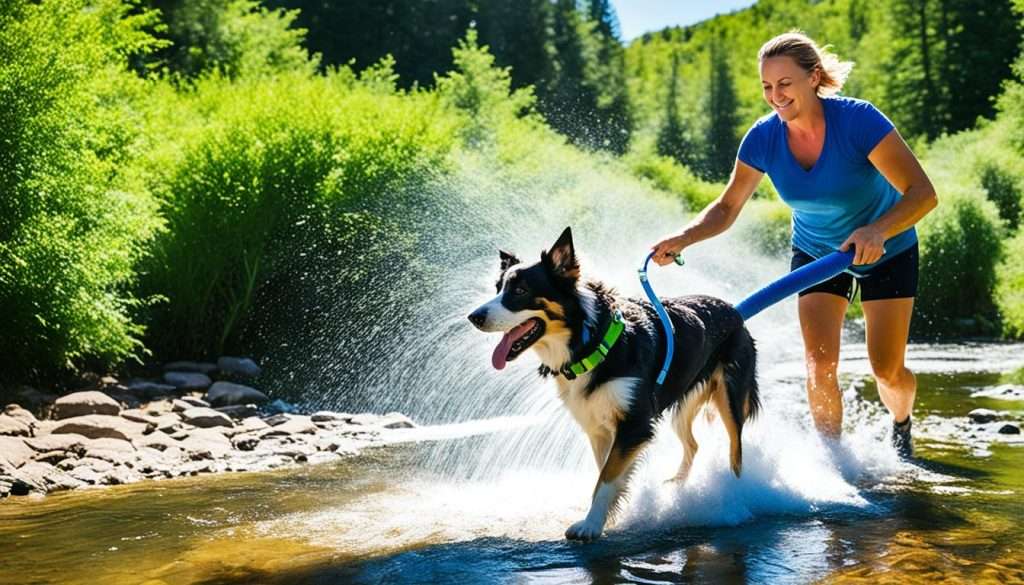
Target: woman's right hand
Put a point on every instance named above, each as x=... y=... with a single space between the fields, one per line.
x=667 y=249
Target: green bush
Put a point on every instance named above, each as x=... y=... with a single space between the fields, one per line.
x=264 y=162
x=73 y=223
x=1010 y=287
x=768 y=226
x=960 y=248
x=667 y=175
x=1003 y=188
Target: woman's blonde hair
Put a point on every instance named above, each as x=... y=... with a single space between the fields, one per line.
x=809 y=56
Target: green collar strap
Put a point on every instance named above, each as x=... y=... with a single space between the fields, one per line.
x=611 y=335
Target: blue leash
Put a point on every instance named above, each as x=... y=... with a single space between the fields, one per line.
x=802 y=278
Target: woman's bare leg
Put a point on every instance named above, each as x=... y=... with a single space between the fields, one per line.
x=821 y=322
x=888 y=325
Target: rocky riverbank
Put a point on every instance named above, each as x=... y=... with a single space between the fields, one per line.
x=184 y=423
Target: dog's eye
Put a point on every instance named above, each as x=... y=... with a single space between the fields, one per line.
x=519 y=291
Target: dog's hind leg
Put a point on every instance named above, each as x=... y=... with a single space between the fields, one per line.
x=683 y=425
x=610 y=487
x=720 y=397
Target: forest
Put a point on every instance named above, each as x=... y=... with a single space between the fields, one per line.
x=167 y=163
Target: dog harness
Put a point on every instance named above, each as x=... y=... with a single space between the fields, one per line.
x=589 y=362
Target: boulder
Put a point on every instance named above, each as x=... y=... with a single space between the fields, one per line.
x=98 y=426
x=205 y=444
x=186 y=381
x=13 y=427
x=238 y=366
x=187 y=366
x=14 y=451
x=1009 y=429
x=195 y=401
x=115 y=451
x=62 y=442
x=396 y=420
x=16 y=411
x=295 y=424
x=147 y=390
x=239 y=411
x=982 y=415
x=84 y=403
x=229 y=394
x=205 y=418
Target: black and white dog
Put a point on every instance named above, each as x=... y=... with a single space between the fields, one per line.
x=605 y=352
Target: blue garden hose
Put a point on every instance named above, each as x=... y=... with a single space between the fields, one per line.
x=802 y=278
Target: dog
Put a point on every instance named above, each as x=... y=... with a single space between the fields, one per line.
x=605 y=353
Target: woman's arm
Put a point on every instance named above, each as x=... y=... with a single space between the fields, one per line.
x=893 y=158
x=715 y=218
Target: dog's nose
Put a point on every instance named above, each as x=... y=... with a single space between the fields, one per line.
x=478 y=317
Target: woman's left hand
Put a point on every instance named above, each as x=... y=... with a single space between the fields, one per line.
x=868 y=243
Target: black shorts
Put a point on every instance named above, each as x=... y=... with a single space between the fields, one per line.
x=896 y=278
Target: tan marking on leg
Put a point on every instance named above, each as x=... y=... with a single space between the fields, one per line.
x=683 y=424
x=721 y=400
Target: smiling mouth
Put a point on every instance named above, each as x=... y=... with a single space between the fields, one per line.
x=784 y=106
x=517 y=340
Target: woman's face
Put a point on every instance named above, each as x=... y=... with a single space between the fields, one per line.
x=788 y=88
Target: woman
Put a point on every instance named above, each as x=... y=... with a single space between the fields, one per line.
x=851 y=180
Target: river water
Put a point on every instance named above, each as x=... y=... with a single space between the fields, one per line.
x=802 y=511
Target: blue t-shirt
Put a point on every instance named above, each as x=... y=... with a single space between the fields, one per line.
x=843 y=191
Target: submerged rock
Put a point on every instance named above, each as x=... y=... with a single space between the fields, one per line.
x=1009 y=429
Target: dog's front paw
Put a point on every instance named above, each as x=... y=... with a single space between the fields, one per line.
x=583 y=530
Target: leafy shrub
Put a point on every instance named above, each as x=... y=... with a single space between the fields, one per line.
x=1010 y=287
x=1004 y=189
x=960 y=248
x=72 y=224
x=667 y=175
x=268 y=161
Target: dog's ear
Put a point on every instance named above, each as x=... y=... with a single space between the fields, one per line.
x=561 y=258
x=507 y=259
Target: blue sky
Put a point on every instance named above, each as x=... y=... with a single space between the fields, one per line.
x=639 y=16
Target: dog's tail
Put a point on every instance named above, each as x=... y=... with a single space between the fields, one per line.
x=740 y=358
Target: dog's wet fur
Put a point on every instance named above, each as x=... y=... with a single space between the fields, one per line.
x=618 y=403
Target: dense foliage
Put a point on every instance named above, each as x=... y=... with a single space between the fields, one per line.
x=172 y=168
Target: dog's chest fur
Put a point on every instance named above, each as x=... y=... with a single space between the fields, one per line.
x=599 y=411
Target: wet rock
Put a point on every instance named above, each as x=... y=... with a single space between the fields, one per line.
x=245 y=442
x=98 y=426
x=13 y=427
x=982 y=415
x=14 y=451
x=147 y=390
x=277 y=419
x=228 y=394
x=179 y=406
x=158 y=440
x=187 y=381
x=238 y=366
x=296 y=424
x=1009 y=429
x=328 y=416
x=205 y=418
x=205 y=368
x=44 y=477
x=396 y=420
x=239 y=411
x=52 y=457
x=83 y=403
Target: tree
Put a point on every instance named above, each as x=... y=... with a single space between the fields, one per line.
x=723 y=118
x=674 y=138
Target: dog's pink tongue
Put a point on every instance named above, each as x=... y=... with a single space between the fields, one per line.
x=498 y=358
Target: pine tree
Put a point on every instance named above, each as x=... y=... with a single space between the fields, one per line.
x=723 y=117
x=674 y=139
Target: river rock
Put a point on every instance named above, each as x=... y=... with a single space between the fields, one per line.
x=296 y=424
x=187 y=381
x=52 y=457
x=194 y=401
x=13 y=427
x=17 y=412
x=115 y=451
x=147 y=390
x=982 y=415
x=1009 y=429
x=328 y=416
x=228 y=394
x=83 y=403
x=158 y=440
x=238 y=366
x=97 y=426
x=45 y=477
x=1002 y=392
x=205 y=368
x=205 y=418
x=396 y=420
x=239 y=411
x=14 y=451
x=205 y=444
x=60 y=442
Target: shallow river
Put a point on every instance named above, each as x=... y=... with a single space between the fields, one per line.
x=802 y=511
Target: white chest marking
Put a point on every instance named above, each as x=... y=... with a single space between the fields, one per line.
x=600 y=412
